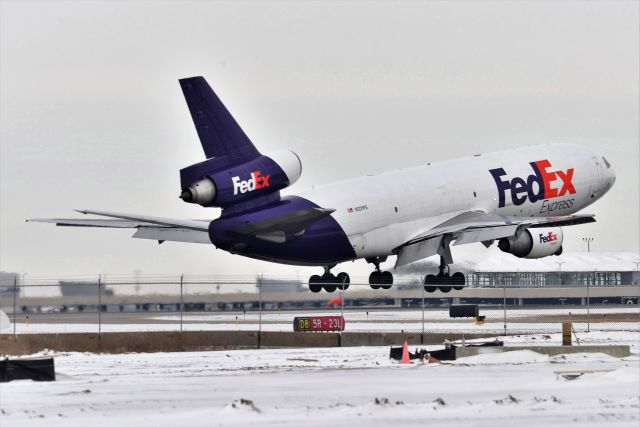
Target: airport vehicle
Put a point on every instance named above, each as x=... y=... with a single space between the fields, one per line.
x=520 y=198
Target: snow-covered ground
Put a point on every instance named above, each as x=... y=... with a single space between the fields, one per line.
x=332 y=386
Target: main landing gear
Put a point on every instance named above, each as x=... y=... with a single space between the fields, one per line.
x=379 y=279
x=328 y=281
x=443 y=280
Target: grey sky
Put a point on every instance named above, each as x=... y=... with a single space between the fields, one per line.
x=92 y=116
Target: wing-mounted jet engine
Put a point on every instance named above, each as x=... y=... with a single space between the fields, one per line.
x=533 y=243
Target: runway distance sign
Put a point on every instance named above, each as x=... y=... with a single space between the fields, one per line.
x=318 y=324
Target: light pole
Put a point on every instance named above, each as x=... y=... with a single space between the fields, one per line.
x=588 y=240
x=560 y=272
x=595 y=272
x=504 y=304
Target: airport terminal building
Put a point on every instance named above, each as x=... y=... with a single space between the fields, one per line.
x=575 y=269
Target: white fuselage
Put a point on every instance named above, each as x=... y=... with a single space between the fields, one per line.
x=381 y=212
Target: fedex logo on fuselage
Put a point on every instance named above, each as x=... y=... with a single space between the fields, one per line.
x=256 y=182
x=546 y=238
x=522 y=189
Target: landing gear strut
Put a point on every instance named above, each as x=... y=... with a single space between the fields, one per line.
x=328 y=281
x=443 y=280
x=379 y=279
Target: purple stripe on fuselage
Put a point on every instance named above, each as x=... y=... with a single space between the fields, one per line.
x=322 y=243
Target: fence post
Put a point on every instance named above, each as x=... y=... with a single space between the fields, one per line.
x=99 y=305
x=504 y=305
x=15 y=290
x=181 y=302
x=588 y=305
x=259 y=312
x=422 y=334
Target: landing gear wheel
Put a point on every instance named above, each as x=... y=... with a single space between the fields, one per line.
x=458 y=281
x=387 y=278
x=329 y=282
x=375 y=280
x=430 y=283
x=380 y=279
x=343 y=281
x=314 y=283
x=444 y=283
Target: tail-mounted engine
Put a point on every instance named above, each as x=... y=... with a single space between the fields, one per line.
x=534 y=243
x=214 y=183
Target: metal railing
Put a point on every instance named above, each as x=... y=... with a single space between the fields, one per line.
x=183 y=302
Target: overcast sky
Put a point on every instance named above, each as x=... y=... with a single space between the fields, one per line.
x=92 y=116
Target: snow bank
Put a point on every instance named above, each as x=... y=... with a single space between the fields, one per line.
x=515 y=357
x=5 y=323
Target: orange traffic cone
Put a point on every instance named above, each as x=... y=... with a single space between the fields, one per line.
x=405 y=354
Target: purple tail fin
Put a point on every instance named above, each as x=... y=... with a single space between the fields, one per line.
x=219 y=133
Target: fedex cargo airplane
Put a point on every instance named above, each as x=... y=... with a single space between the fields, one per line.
x=520 y=198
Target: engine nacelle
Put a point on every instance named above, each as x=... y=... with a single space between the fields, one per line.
x=208 y=184
x=534 y=243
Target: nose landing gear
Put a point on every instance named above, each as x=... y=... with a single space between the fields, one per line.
x=328 y=281
x=443 y=280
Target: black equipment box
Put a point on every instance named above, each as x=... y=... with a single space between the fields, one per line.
x=464 y=310
x=33 y=368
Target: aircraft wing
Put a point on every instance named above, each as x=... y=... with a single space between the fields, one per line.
x=147 y=227
x=475 y=226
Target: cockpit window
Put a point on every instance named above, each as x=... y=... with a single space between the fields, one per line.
x=606 y=162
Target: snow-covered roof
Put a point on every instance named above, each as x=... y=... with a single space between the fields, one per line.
x=575 y=261
x=500 y=261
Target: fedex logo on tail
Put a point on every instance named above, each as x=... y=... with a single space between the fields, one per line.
x=537 y=186
x=256 y=182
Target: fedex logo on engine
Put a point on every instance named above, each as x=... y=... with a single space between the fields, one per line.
x=256 y=182
x=550 y=237
x=542 y=184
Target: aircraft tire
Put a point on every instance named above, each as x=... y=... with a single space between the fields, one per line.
x=343 y=281
x=445 y=288
x=458 y=280
x=329 y=282
x=314 y=283
x=444 y=282
x=429 y=283
x=387 y=279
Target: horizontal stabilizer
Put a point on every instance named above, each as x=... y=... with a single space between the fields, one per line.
x=100 y=223
x=162 y=234
x=168 y=222
x=148 y=227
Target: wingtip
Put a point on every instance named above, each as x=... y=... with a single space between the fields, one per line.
x=82 y=211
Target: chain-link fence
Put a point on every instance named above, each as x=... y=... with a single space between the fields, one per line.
x=506 y=306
